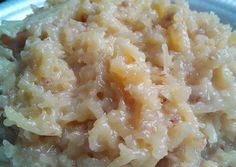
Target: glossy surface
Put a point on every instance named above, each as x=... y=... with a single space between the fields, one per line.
x=225 y=9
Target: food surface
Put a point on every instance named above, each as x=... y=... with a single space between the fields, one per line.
x=117 y=83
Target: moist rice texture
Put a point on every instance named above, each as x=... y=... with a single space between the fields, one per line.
x=118 y=83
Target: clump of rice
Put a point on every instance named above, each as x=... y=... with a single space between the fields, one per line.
x=119 y=83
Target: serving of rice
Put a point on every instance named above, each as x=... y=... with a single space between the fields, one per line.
x=118 y=83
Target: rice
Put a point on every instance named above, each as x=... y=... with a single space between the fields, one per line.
x=118 y=83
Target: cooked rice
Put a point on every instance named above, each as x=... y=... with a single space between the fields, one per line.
x=118 y=83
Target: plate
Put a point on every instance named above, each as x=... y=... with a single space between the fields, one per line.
x=225 y=9
x=17 y=9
